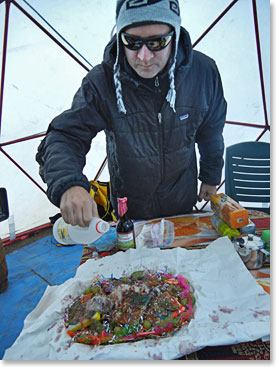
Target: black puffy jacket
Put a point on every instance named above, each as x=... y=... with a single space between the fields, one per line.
x=151 y=150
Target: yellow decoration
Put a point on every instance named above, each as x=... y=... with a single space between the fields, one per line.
x=81 y=325
x=96 y=316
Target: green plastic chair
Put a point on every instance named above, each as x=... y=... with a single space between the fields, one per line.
x=247 y=174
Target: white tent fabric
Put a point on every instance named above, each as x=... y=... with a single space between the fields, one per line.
x=41 y=79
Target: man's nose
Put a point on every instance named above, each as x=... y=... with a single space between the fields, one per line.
x=144 y=54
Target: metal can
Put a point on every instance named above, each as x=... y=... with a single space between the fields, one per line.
x=251 y=250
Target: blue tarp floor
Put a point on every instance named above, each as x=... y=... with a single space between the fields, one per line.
x=31 y=269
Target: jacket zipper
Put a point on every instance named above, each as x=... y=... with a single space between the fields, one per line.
x=160 y=118
x=161 y=144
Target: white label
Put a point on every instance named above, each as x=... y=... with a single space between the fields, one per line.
x=125 y=240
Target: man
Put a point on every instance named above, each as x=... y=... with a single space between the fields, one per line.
x=155 y=98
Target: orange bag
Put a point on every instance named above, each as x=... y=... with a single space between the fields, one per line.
x=231 y=212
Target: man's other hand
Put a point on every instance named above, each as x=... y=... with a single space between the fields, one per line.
x=206 y=191
x=77 y=207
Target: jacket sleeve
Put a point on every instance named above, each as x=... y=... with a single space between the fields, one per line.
x=62 y=153
x=210 y=133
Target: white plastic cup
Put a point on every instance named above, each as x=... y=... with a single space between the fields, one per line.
x=162 y=233
x=66 y=234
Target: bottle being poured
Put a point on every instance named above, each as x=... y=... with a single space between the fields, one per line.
x=125 y=227
x=66 y=234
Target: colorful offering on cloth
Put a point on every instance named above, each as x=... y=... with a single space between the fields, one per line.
x=143 y=305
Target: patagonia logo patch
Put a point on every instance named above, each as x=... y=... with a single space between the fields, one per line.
x=183 y=117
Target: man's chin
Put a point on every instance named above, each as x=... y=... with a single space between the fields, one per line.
x=147 y=74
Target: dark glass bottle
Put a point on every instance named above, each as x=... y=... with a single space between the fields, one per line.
x=125 y=227
x=3 y=269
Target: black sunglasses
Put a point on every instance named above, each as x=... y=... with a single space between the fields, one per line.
x=155 y=43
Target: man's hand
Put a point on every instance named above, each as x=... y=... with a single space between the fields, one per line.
x=78 y=207
x=206 y=191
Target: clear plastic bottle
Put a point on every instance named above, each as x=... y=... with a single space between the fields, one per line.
x=67 y=234
x=125 y=227
x=222 y=228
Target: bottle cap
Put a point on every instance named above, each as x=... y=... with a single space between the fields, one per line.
x=102 y=227
x=122 y=206
x=266 y=239
x=266 y=235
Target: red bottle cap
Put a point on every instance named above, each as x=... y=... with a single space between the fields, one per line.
x=122 y=206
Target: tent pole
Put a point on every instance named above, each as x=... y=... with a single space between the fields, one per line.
x=25 y=234
x=22 y=139
x=101 y=168
x=214 y=23
x=261 y=134
x=49 y=25
x=49 y=34
x=246 y=124
x=21 y=169
x=259 y=58
x=5 y=41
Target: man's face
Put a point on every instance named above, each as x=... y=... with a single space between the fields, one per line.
x=146 y=63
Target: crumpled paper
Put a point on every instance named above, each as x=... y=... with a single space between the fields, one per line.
x=230 y=307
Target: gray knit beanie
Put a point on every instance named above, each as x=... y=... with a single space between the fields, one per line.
x=134 y=12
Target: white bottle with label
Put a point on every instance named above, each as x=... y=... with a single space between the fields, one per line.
x=66 y=234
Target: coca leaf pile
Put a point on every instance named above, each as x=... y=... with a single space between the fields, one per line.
x=144 y=305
